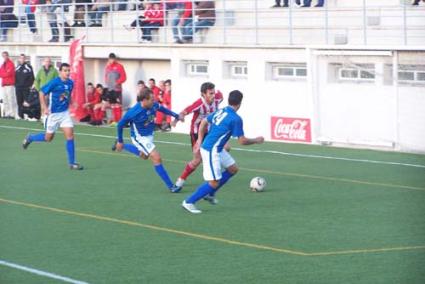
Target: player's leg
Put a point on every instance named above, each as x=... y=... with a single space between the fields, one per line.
x=212 y=175
x=192 y=165
x=68 y=130
x=51 y=124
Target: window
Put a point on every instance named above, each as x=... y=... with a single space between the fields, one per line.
x=289 y=71
x=358 y=72
x=411 y=73
x=235 y=70
x=196 y=68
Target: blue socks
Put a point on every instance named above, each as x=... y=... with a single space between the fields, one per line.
x=203 y=190
x=70 y=149
x=132 y=149
x=163 y=175
x=225 y=176
x=39 y=137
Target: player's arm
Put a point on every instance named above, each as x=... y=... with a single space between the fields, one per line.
x=120 y=128
x=237 y=131
x=176 y=116
x=203 y=127
x=44 y=91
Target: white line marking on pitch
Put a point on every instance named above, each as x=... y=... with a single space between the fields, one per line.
x=255 y=151
x=41 y=273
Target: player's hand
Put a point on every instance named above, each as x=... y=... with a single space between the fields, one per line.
x=259 y=140
x=46 y=111
x=174 y=122
x=181 y=117
x=119 y=146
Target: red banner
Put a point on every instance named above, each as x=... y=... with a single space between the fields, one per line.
x=77 y=75
x=291 y=129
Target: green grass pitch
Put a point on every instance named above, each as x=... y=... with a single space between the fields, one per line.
x=319 y=220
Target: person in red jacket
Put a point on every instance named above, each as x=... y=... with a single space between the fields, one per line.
x=115 y=76
x=201 y=108
x=153 y=18
x=7 y=75
x=93 y=98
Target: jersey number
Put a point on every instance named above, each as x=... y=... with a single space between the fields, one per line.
x=218 y=118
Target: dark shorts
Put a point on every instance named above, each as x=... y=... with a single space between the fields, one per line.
x=194 y=138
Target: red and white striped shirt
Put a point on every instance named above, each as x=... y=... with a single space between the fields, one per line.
x=202 y=109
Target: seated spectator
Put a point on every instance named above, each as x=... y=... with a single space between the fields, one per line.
x=56 y=17
x=93 y=98
x=204 y=18
x=31 y=106
x=99 y=8
x=29 y=11
x=79 y=12
x=277 y=5
x=184 y=14
x=320 y=3
x=153 y=18
x=99 y=108
x=7 y=18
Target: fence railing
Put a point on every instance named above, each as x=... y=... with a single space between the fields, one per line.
x=228 y=22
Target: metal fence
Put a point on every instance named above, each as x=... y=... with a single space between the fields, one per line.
x=236 y=22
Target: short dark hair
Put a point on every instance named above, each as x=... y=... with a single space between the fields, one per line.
x=89 y=84
x=112 y=56
x=145 y=94
x=99 y=86
x=235 y=98
x=152 y=79
x=207 y=86
x=22 y=54
x=63 y=65
x=168 y=81
x=140 y=82
x=5 y=52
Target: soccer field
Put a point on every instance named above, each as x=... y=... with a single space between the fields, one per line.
x=328 y=215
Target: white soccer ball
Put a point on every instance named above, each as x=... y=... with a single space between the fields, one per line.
x=258 y=184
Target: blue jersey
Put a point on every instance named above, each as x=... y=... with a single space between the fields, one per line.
x=224 y=123
x=59 y=93
x=141 y=120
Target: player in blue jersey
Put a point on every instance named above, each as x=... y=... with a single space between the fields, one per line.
x=224 y=124
x=57 y=114
x=141 y=119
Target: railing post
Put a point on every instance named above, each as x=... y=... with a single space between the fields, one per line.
x=291 y=41
x=19 y=21
x=224 y=22
x=404 y=24
x=364 y=23
x=111 y=22
x=326 y=22
x=87 y=20
x=256 y=22
x=138 y=39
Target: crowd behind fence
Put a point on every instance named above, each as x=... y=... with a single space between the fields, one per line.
x=225 y=22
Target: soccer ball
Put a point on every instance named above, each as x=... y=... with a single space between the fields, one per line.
x=258 y=184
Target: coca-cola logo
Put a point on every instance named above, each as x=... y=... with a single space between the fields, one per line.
x=291 y=129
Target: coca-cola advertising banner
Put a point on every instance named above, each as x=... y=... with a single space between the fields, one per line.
x=291 y=129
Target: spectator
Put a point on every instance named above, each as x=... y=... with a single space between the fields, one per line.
x=184 y=15
x=99 y=8
x=285 y=4
x=93 y=99
x=416 y=2
x=115 y=76
x=31 y=106
x=167 y=103
x=24 y=79
x=29 y=11
x=7 y=75
x=204 y=18
x=99 y=109
x=7 y=18
x=153 y=18
x=55 y=9
x=46 y=73
x=79 y=12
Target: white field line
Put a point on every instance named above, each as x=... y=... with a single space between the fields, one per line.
x=311 y=156
x=41 y=273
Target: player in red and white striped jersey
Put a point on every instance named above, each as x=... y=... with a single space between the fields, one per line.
x=201 y=108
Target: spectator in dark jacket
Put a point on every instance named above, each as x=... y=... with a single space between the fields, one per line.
x=79 y=12
x=6 y=18
x=24 y=79
x=204 y=18
x=31 y=106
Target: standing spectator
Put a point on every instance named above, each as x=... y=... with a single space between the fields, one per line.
x=54 y=10
x=204 y=18
x=46 y=73
x=99 y=8
x=114 y=78
x=79 y=12
x=153 y=18
x=184 y=15
x=285 y=4
x=24 y=79
x=167 y=103
x=7 y=75
x=7 y=18
x=29 y=11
